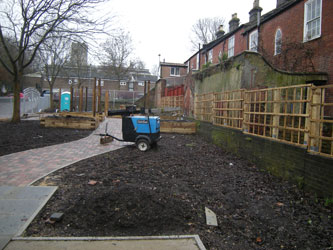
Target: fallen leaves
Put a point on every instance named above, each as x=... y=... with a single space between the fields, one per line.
x=92 y=182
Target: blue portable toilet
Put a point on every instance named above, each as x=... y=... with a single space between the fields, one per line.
x=65 y=101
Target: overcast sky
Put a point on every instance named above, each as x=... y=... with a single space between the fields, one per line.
x=164 y=27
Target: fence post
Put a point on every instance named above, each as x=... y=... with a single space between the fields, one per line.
x=276 y=112
x=245 y=114
x=307 y=124
x=314 y=119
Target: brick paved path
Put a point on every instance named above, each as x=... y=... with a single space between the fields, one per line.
x=22 y=168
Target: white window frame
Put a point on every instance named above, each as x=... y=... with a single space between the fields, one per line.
x=253 y=34
x=141 y=84
x=278 y=42
x=131 y=86
x=175 y=71
x=317 y=19
x=198 y=60
x=231 y=46
x=210 y=56
x=123 y=83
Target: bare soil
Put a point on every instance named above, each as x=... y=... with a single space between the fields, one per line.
x=165 y=191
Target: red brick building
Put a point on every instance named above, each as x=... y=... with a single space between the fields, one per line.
x=296 y=36
x=172 y=69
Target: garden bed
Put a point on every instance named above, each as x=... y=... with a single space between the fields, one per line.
x=165 y=191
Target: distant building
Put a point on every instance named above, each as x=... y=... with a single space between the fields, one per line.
x=85 y=76
x=172 y=69
x=79 y=54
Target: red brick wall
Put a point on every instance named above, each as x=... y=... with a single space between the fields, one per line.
x=240 y=46
x=299 y=56
x=193 y=63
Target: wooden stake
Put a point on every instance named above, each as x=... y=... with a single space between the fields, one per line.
x=148 y=96
x=72 y=99
x=59 y=99
x=106 y=100
x=99 y=107
x=86 y=103
x=81 y=99
x=94 y=98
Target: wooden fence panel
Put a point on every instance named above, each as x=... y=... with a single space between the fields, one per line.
x=172 y=101
x=228 y=109
x=278 y=113
x=321 y=122
x=203 y=108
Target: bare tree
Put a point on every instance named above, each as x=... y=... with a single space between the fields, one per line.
x=116 y=58
x=156 y=70
x=54 y=54
x=204 y=31
x=29 y=23
x=138 y=64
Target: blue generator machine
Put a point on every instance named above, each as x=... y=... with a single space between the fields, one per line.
x=142 y=129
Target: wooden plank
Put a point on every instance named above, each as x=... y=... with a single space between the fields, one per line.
x=70 y=122
x=178 y=127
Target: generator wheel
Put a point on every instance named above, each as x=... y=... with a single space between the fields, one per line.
x=143 y=145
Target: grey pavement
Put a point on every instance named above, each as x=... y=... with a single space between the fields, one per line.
x=18 y=207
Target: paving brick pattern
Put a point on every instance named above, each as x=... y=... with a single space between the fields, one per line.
x=22 y=168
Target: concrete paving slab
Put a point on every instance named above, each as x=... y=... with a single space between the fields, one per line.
x=18 y=207
x=126 y=243
x=211 y=219
x=4 y=240
x=11 y=223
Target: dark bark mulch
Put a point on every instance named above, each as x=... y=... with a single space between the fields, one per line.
x=165 y=191
x=16 y=137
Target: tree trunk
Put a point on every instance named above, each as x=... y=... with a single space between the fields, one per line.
x=16 y=108
x=51 y=97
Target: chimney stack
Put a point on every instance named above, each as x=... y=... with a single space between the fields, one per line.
x=255 y=13
x=234 y=22
x=220 y=32
x=280 y=2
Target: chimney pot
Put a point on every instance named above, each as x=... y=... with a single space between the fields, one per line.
x=234 y=22
x=220 y=32
x=255 y=13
